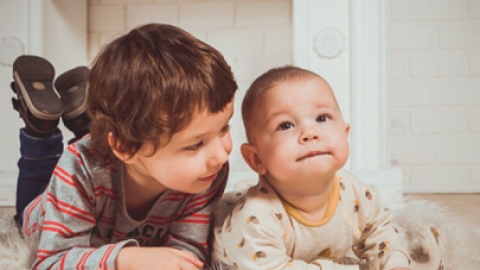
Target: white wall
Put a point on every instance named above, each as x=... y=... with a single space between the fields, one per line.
x=435 y=93
x=434 y=74
x=54 y=29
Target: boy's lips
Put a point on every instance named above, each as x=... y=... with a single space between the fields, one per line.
x=209 y=178
x=312 y=154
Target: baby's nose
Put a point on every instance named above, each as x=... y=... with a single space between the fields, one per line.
x=310 y=136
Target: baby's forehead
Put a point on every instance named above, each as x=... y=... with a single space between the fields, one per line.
x=282 y=90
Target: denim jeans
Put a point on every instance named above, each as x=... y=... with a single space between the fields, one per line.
x=38 y=158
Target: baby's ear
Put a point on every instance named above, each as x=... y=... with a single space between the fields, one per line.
x=115 y=145
x=249 y=153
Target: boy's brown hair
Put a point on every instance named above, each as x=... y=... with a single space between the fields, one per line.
x=146 y=85
x=265 y=82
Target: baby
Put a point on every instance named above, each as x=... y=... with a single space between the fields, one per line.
x=305 y=212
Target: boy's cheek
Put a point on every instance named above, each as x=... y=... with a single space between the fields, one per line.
x=228 y=143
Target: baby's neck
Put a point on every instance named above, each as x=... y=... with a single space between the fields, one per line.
x=310 y=202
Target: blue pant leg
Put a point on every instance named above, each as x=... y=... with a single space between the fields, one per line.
x=38 y=158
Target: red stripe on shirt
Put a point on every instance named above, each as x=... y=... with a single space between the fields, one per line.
x=71 y=181
x=57 y=227
x=105 y=257
x=194 y=221
x=199 y=215
x=103 y=191
x=62 y=262
x=73 y=148
x=83 y=260
x=201 y=200
x=29 y=210
x=70 y=209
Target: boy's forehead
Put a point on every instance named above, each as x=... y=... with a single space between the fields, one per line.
x=203 y=122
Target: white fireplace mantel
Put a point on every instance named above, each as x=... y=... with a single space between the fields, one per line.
x=345 y=42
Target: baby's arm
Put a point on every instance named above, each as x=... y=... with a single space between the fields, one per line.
x=380 y=245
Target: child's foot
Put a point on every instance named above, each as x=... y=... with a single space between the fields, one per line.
x=37 y=102
x=71 y=86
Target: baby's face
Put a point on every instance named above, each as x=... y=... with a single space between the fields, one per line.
x=299 y=131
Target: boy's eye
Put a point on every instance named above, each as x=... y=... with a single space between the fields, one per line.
x=322 y=118
x=285 y=126
x=194 y=147
x=225 y=128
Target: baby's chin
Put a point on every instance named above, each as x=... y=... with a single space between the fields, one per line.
x=305 y=175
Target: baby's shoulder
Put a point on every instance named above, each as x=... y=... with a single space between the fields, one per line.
x=259 y=198
x=353 y=188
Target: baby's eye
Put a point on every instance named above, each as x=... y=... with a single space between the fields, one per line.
x=322 y=118
x=194 y=147
x=285 y=126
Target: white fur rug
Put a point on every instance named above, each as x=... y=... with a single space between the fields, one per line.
x=15 y=252
x=437 y=240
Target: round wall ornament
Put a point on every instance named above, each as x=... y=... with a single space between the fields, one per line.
x=10 y=49
x=329 y=43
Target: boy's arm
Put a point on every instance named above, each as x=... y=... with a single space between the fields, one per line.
x=191 y=231
x=63 y=218
x=380 y=245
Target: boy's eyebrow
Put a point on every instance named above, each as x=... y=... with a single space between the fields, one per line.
x=203 y=134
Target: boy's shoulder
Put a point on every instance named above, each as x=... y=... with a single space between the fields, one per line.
x=81 y=149
x=80 y=161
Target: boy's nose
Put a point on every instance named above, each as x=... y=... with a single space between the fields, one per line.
x=219 y=155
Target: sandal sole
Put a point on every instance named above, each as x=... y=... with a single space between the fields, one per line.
x=33 y=77
x=71 y=86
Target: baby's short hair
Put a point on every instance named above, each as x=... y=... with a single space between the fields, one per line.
x=263 y=83
x=146 y=85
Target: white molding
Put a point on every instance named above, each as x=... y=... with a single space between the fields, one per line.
x=369 y=91
x=365 y=102
x=300 y=33
x=57 y=30
x=35 y=26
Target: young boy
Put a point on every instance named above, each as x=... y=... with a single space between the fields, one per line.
x=138 y=192
x=304 y=213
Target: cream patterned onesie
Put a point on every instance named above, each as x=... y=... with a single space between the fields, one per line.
x=264 y=232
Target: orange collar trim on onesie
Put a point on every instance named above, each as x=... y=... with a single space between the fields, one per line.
x=331 y=208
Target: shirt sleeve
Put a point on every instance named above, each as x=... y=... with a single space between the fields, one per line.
x=191 y=231
x=380 y=245
x=63 y=218
x=252 y=237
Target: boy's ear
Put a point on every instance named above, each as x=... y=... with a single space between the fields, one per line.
x=123 y=156
x=249 y=153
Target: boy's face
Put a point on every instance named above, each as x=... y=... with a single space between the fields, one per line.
x=299 y=132
x=191 y=160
